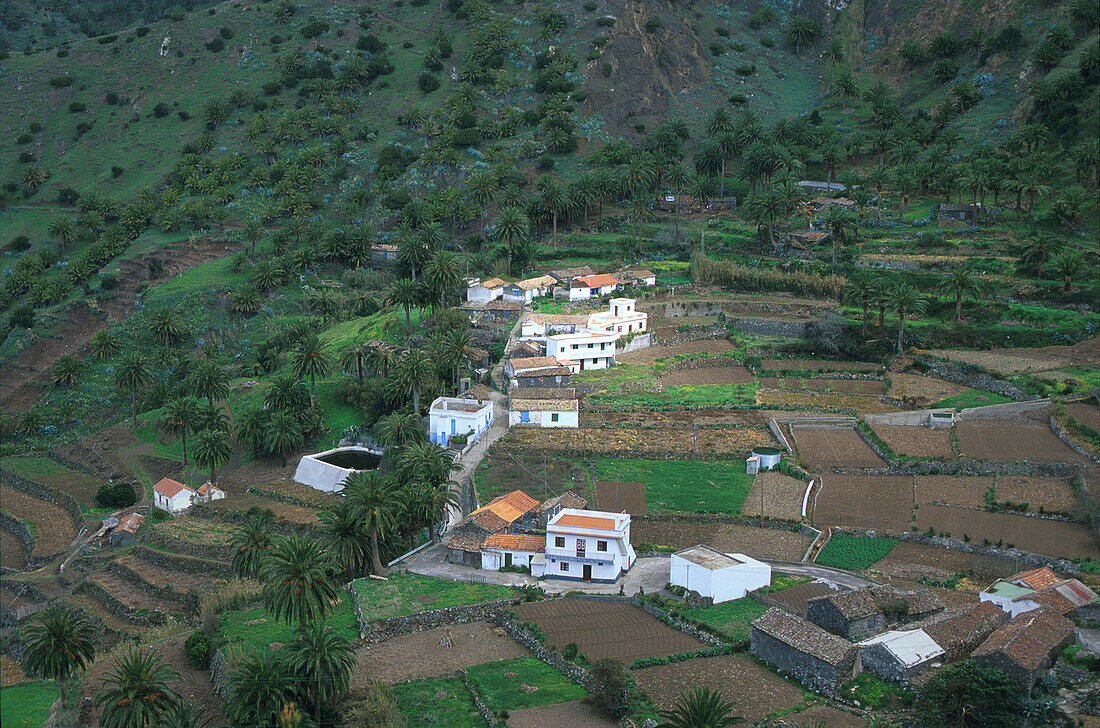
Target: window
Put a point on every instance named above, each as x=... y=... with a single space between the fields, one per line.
x=601 y=545
x=559 y=542
x=564 y=566
x=580 y=547
x=554 y=417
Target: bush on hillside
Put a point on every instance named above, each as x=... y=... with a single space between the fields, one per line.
x=116 y=495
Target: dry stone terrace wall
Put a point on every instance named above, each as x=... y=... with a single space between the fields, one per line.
x=22 y=532
x=43 y=492
x=199 y=550
x=179 y=562
x=969 y=375
x=119 y=609
x=187 y=600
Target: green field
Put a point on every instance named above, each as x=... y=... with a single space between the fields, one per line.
x=708 y=395
x=682 y=485
x=27 y=705
x=732 y=619
x=854 y=552
x=444 y=702
x=500 y=684
x=257 y=629
x=405 y=593
x=972 y=398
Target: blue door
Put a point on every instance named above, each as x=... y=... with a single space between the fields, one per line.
x=524 y=416
x=452 y=427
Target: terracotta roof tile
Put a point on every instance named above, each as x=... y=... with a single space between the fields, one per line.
x=805 y=636
x=515 y=542
x=170 y=488
x=1028 y=639
x=510 y=507
x=464 y=543
x=533 y=362
x=597 y=281
x=578 y=521
x=1037 y=579
x=131 y=524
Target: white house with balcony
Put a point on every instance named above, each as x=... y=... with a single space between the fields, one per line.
x=489 y=290
x=621 y=317
x=451 y=416
x=590 y=349
x=586 y=545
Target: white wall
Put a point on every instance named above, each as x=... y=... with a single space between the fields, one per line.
x=545 y=418
x=481 y=293
x=493 y=559
x=722 y=585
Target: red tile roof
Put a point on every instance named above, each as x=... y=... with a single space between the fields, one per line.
x=1037 y=579
x=509 y=507
x=515 y=542
x=578 y=521
x=598 y=281
x=131 y=524
x=169 y=488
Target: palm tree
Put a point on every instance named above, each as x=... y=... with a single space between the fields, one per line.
x=766 y=209
x=415 y=370
x=311 y=360
x=700 y=708
x=285 y=393
x=702 y=187
x=878 y=178
x=411 y=249
x=263 y=688
x=801 y=31
x=1040 y=250
x=132 y=375
x=1068 y=264
x=282 y=434
x=179 y=420
x=834 y=53
x=454 y=349
x=66 y=369
x=104 y=345
x=344 y=527
x=210 y=381
x=376 y=499
x=482 y=186
x=138 y=694
x=64 y=230
x=182 y=715
x=960 y=283
x=59 y=643
x=555 y=198
x=513 y=228
x=251 y=545
x=905 y=300
x=253 y=234
x=406 y=294
x=881 y=299
x=397 y=429
x=353 y=359
x=298 y=580
x=583 y=190
x=321 y=660
x=843 y=227
x=862 y=288
x=212 y=450
x=444 y=274
x=167 y=328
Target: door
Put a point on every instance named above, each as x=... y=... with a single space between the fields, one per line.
x=524 y=416
x=507 y=559
x=588 y=572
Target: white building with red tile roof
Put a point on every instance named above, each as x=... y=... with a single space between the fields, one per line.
x=588 y=545
x=172 y=496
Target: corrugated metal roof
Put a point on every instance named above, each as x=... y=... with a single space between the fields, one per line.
x=910 y=647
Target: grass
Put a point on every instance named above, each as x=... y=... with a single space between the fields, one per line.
x=972 y=398
x=37 y=469
x=500 y=691
x=707 y=395
x=708 y=487
x=854 y=553
x=444 y=702
x=732 y=619
x=27 y=705
x=877 y=694
x=383 y=326
x=215 y=274
x=257 y=629
x=408 y=593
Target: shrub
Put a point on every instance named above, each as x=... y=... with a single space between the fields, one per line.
x=67 y=196
x=111 y=98
x=767 y=42
x=611 y=683
x=197 y=647
x=546 y=162
x=160 y=515
x=738 y=99
x=61 y=81
x=652 y=25
x=142 y=31
x=26 y=157
x=77 y=106
x=427 y=81
x=24 y=139
x=116 y=172
x=605 y=70
x=83 y=128
x=590 y=6
x=160 y=110
x=62 y=52
x=116 y=495
x=606 y=21
x=176 y=14
x=745 y=70
x=183 y=115
x=717 y=48
x=107 y=39
x=35 y=127
x=946 y=69
x=216 y=44
x=314 y=29
x=226 y=32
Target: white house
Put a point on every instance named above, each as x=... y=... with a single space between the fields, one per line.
x=528 y=289
x=621 y=317
x=590 y=349
x=172 y=496
x=585 y=287
x=637 y=277
x=207 y=492
x=716 y=575
x=450 y=416
x=542 y=412
x=511 y=549
x=489 y=290
x=588 y=545
x=540 y=325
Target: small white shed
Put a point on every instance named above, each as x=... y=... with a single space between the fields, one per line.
x=722 y=577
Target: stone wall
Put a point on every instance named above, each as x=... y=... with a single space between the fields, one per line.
x=220 y=673
x=640 y=341
x=116 y=607
x=771 y=327
x=44 y=492
x=21 y=531
x=969 y=376
x=878 y=660
x=482 y=708
x=1064 y=437
x=575 y=673
x=203 y=551
x=179 y=562
x=382 y=630
x=187 y=600
x=811 y=672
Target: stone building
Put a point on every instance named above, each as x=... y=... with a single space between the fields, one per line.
x=960 y=631
x=866 y=612
x=816 y=658
x=899 y=654
x=1027 y=645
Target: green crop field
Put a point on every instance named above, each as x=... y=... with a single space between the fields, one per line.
x=444 y=702
x=732 y=619
x=257 y=629
x=854 y=552
x=972 y=398
x=502 y=684
x=27 y=705
x=682 y=485
x=405 y=593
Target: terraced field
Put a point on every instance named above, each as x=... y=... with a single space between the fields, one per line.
x=161 y=577
x=12 y=553
x=130 y=594
x=53 y=526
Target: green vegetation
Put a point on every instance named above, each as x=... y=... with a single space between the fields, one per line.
x=731 y=620
x=684 y=396
x=258 y=629
x=877 y=694
x=502 y=691
x=27 y=705
x=444 y=702
x=682 y=485
x=405 y=593
x=854 y=553
x=972 y=398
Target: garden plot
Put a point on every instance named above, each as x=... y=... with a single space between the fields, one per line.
x=1013 y=440
x=638 y=440
x=763 y=692
x=1085 y=413
x=444 y=702
x=540 y=477
x=1012 y=361
x=605 y=629
x=951 y=490
x=1052 y=495
x=858 y=387
x=854 y=553
x=620 y=497
x=1038 y=535
x=46 y=471
x=840 y=448
x=130 y=594
x=406 y=593
x=681 y=418
x=865 y=502
x=53 y=525
x=708 y=375
x=574 y=714
x=160 y=577
x=915 y=560
x=433 y=653
x=522 y=682
x=292 y=513
x=759 y=543
x=12 y=554
x=653 y=353
x=815 y=401
x=922 y=391
x=916 y=441
x=817 y=365
x=781 y=496
x=710 y=487
x=198 y=531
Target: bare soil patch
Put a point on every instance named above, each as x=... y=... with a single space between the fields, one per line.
x=865 y=501
x=1012 y=361
x=1013 y=440
x=640 y=441
x=161 y=577
x=617 y=497
x=817 y=365
x=921 y=390
x=605 y=629
x=574 y=714
x=826 y=449
x=765 y=691
x=911 y=561
x=12 y=553
x=1085 y=413
x=916 y=440
x=826 y=716
x=823 y=400
x=420 y=654
x=53 y=526
x=781 y=496
x=858 y=387
x=683 y=418
x=1053 y=495
x=760 y=543
x=708 y=375
x=11 y=672
x=653 y=353
x=288 y=512
x=131 y=594
x=1041 y=536
x=953 y=490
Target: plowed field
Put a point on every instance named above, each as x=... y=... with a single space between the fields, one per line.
x=1086 y=414
x=760 y=543
x=1049 y=538
x=1053 y=495
x=653 y=353
x=914 y=560
x=708 y=375
x=639 y=441
x=865 y=501
x=781 y=495
x=823 y=400
x=825 y=449
x=605 y=629
x=862 y=387
x=1010 y=440
x=618 y=497
x=53 y=526
x=12 y=553
x=922 y=390
x=916 y=441
x=953 y=491
x=817 y=365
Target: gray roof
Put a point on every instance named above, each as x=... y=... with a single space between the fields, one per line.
x=804 y=636
x=708 y=558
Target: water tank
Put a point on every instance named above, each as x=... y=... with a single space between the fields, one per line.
x=769 y=456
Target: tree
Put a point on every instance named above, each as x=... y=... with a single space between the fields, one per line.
x=834 y=53
x=376 y=499
x=406 y=294
x=1068 y=264
x=862 y=288
x=104 y=345
x=482 y=187
x=411 y=249
x=59 y=643
x=843 y=228
x=132 y=375
x=250 y=545
x=968 y=695
x=906 y=301
x=344 y=527
x=65 y=370
x=212 y=450
x=298 y=580
x=555 y=198
x=960 y=283
x=454 y=348
x=64 y=231
x=263 y=688
x=611 y=686
x=137 y=692
x=802 y=31
x=398 y=429
x=209 y=381
x=311 y=360
x=702 y=187
x=282 y=434
x=167 y=328
x=700 y=708
x=415 y=371
x=513 y=228
x=179 y=420
x=443 y=273
x=286 y=393
x=321 y=660
x=253 y=234
x=353 y=359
